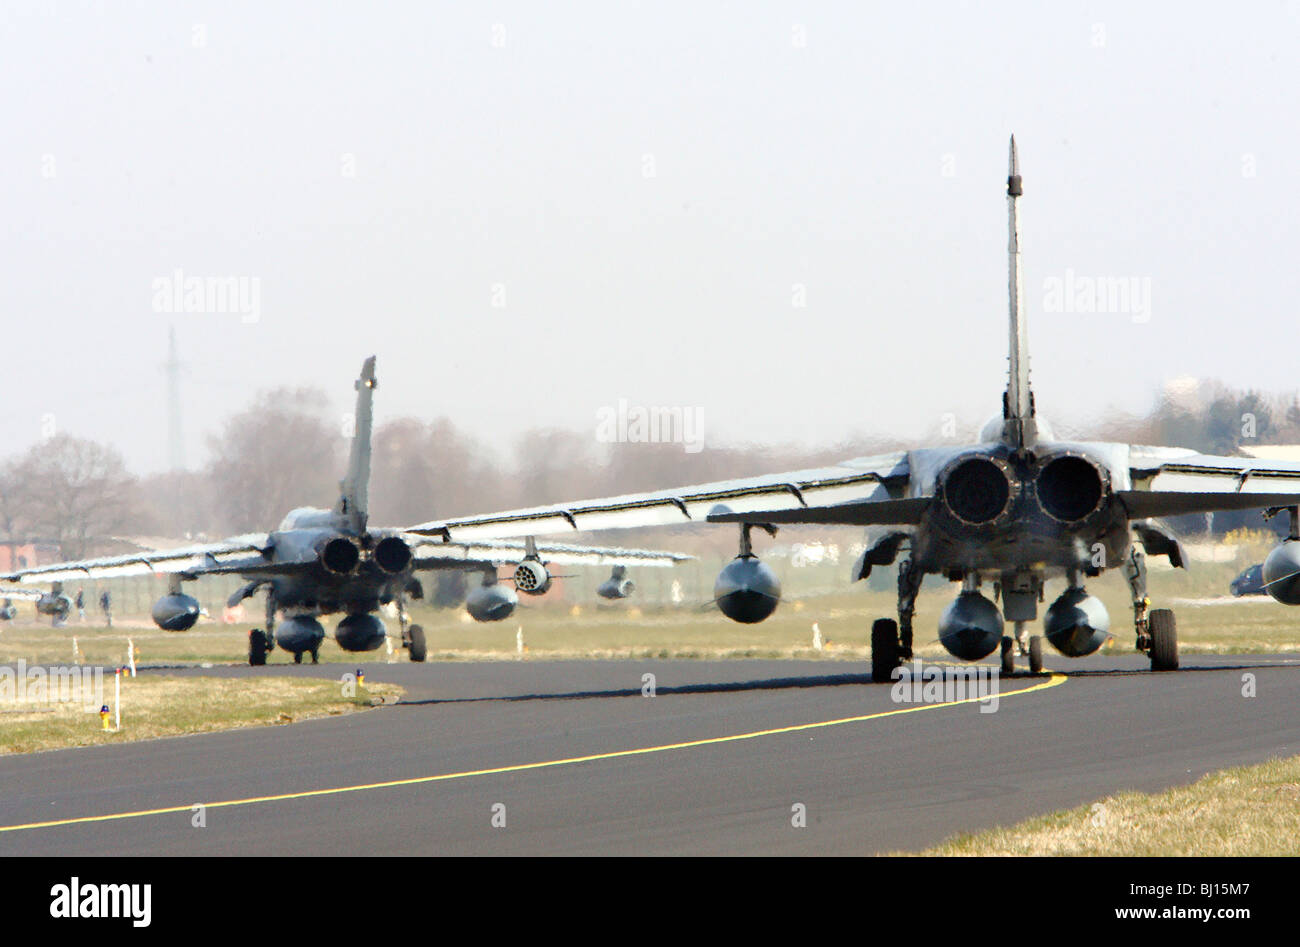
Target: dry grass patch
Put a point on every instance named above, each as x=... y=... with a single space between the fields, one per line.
x=1248 y=810
x=160 y=706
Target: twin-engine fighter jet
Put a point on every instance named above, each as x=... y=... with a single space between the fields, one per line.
x=320 y=562
x=1010 y=511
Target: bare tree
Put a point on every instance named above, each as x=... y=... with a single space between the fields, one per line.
x=277 y=454
x=73 y=492
x=426 y=470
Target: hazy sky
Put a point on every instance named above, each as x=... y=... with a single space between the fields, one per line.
x=530 y=211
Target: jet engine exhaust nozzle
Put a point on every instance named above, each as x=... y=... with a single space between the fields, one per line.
x=392 y=555
x=977 y=491
x=1070 y=488
x=339 y=556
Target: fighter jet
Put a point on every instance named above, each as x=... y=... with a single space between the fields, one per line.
x=1004 y=514
x=319 y=562
x=55 y=603
x=618 y=585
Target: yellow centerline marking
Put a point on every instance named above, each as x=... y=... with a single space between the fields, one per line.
x=1053 y=680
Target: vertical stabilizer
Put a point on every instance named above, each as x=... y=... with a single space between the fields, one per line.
x=1019 y=428
x=354 y=488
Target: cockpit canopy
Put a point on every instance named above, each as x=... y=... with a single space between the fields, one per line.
x=991 y=433
x=306 y=517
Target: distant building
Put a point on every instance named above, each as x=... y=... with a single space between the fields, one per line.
x=23 y=555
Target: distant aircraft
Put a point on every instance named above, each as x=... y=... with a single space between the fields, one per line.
x=1012 y=510
x=323 y=561
x=618 y=585
x=53 y=603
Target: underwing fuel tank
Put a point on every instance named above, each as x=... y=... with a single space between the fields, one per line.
x=1282 y=573
x=747 y=590
x=175 y=612
x=360 y=633
x=1077 y=623
x=970 y=627
x=492 y=602
x=299 y=633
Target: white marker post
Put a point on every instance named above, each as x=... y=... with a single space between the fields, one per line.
x=117 y=699
x=130 y=655
x=76 y=654
x=817 y=637
x=389 y=643
x=519 y=640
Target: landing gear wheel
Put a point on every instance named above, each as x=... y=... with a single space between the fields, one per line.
x=256 y=648
x=1164 y=640
x=315 y=656
x=1008 y=655
x=416 y=646
x=297 y=657
x=884 y=650
x=1036 y=654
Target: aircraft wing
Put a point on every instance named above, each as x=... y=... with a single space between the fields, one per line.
x=1169 y=481
x=430 y=554
x=222 y=556
x=866 y=488
x=25 y=595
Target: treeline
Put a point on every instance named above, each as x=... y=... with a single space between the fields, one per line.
x=287 y=449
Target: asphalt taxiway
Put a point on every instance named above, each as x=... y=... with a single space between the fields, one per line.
x=561 y=757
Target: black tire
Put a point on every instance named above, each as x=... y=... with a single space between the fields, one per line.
x=1164 y=640
x=297 y=657
x=1036 y=654
x=256 y=648
x=884 y=650
x=417 y=648
x=1008 y=655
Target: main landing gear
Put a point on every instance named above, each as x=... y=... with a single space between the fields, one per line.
x=1157 y=632
x=261 y=643
x=412 y=635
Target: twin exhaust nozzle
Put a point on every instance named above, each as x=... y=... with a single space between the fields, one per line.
x=982 y=490
x=341 y=555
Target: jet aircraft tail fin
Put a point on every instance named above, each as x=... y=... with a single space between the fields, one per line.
x=1019 y=428
x=354 y=488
